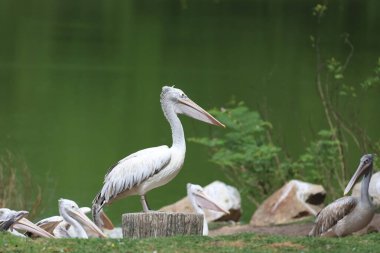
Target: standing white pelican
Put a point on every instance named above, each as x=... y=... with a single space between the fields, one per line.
x=199 y=200
x=348 y=214
x=77 y=220
x=147 y=169
x=13 y=221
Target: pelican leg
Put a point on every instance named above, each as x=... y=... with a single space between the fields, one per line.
x=144 y=204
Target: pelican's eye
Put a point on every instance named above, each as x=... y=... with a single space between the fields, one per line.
x=73 y=207
x=183 y=95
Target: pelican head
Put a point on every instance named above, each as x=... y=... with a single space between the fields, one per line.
x=7 y=214
x=182 y=104
x=69 y=210
x=8 y=218
x=200 y=200
x=17 y=220
x=364 y=168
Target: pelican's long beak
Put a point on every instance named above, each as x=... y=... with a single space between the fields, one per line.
x=191 y=109
x=28 y=226
x=358 y=173
x=84 y=220
x=107 y=223
x=206 y=202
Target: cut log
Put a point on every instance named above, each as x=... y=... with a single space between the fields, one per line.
x=161 y=224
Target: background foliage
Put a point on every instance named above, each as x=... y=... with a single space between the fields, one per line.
x=246 y=153
x=17 y=189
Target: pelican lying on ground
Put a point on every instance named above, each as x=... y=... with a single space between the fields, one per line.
x=9 y=217
x=147 y=169
x=76 y=221
x=13 y=221
x=60 y=228
x=199 y=200
x=348 y=214
x=56 y=225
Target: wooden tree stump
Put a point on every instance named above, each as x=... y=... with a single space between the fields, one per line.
x=161 y=224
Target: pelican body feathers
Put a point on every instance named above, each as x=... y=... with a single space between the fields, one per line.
x=348 y=214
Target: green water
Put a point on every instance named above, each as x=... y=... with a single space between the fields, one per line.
x=80 y=80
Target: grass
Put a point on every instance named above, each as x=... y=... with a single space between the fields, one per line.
x=17 y=189
x=247 y=242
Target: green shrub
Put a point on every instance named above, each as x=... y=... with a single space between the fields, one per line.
x=244 y=152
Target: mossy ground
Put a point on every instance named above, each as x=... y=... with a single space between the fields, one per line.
x=248 y=242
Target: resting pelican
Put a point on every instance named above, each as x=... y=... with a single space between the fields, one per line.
x=13 y=221
x=73 y=216
x=58 y=227
x=200 y=200
x=348 y=214
x=147 y=169
x=9 y=217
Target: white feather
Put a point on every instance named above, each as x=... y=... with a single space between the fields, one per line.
x=134 y=169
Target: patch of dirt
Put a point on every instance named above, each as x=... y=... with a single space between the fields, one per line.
x=290 y=230
x=295 y=229
x=235 y=244
x=285 y=245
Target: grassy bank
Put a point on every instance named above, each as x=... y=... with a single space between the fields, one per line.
x=232 y=243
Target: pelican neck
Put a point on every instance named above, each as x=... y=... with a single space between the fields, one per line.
x=364 y=193
x=178 y=135
x=79 y=230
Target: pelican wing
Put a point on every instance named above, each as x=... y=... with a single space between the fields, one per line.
x=49 y=224
x=329 y=216
x=133 y=170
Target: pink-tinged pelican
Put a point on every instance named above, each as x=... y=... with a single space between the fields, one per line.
x=147 y=169
x=60 y=228
x=199 y=200
x=348 y=214
x=76 y=221
x=14 y=221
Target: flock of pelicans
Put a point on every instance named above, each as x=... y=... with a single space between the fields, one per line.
x=73 y=222
x=150 y=168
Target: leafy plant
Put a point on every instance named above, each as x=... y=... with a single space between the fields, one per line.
x=319 y=161
x=248 y=157
x=374 y=79
x=245 y=152
x=332 y=87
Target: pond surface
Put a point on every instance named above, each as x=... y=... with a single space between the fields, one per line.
x=80 y=81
